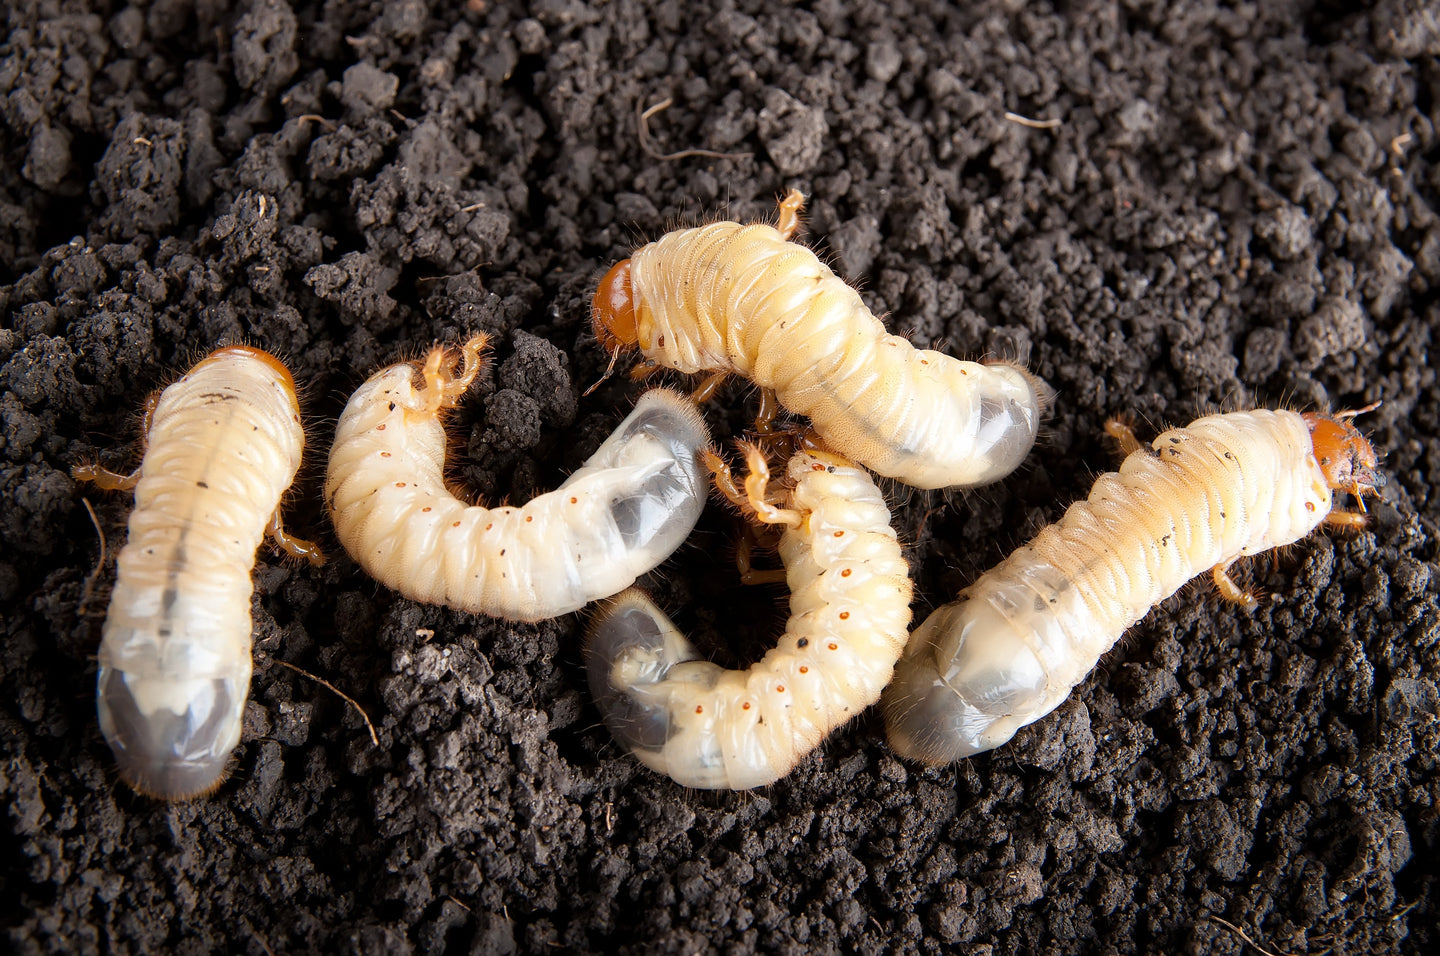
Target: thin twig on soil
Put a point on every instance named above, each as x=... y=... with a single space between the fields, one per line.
x=1242 y=934
x=374 y=738
x=647 y=146
x=90 y=579
x=1051 y=123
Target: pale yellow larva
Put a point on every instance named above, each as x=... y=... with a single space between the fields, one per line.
x=739 y=298
x=708 y=727
x=222 y=445
x=623 y=513
x=1021 y=637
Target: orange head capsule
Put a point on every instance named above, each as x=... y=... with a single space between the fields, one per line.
x=613 y=309
x=259 y=355
x=1346 y=456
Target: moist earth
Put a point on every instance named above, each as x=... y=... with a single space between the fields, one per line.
x=1162 y=208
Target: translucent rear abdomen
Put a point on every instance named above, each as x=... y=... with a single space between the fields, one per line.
x=224 y=443
x=622 y=514
x=1018 y=640
x=744 y=299
x=708 y=727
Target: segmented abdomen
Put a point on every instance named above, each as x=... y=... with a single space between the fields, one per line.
x=624 y=512
x=708 y=727
x=742 y=298
x=224 y=443
x=1018 y=640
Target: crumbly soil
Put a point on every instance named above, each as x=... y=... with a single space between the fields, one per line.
x=1221 y=205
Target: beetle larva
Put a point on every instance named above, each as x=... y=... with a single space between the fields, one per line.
x=222 y=445
x=630 y=506
x=712 y=728
x=1021 y=637
x=742 y=298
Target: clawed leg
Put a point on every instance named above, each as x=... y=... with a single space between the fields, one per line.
x=1231 y=591
x=295 y=547
x=761 y=499
x=724 y=479
x=769 y=409
x=748 y=573
x=105 y=479
x=1347 y=520
x=776 y=441
x=742 y=499
x=788 y=222
x=756 y=499
x=1124 y=435
x=640 y=371
x=443 y=387
x=709 y=387
x=151 y=401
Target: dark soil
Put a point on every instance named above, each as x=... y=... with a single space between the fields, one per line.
x=1235 y=206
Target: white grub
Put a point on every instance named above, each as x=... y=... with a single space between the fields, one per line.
x=623 y=513
x=743 y=299
x=1198 y=499
x=708 y=727
x=222 y=445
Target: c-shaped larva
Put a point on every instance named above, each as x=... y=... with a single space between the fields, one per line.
x=742 y=298
x=222 y=445
x=1021 y=637
x=630 y=506
x=708 y=727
